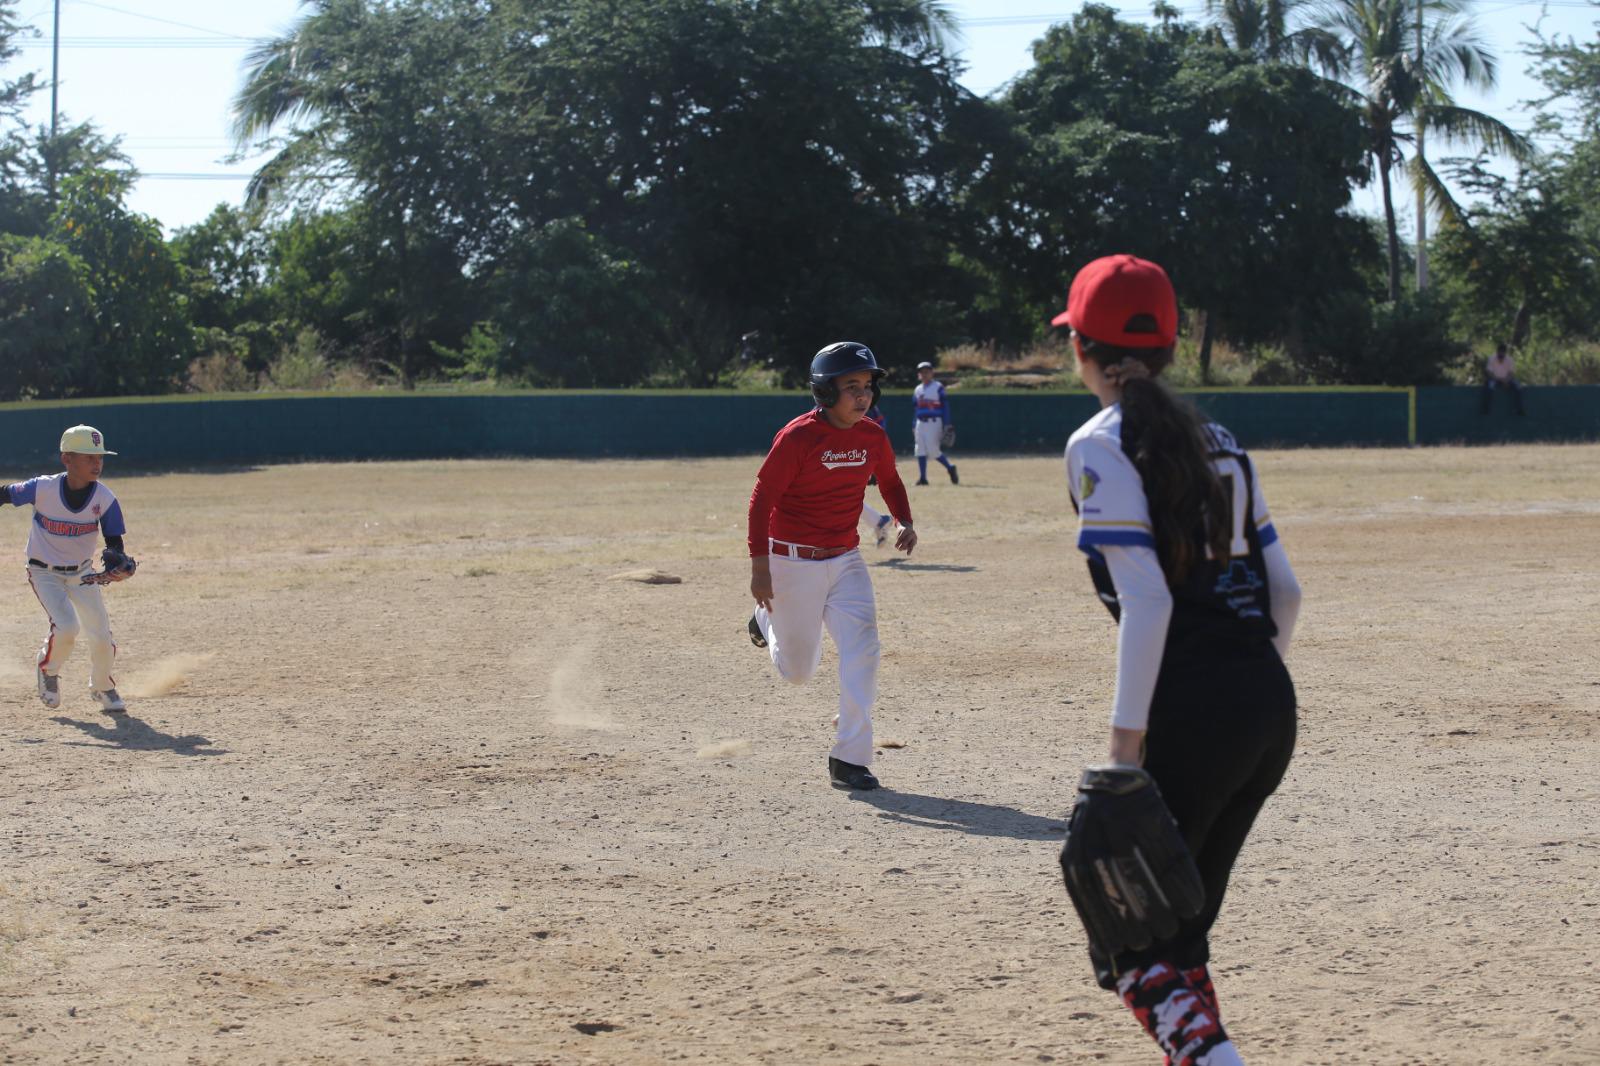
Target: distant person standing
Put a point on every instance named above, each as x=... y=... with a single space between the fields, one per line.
x=933 y=422
x=1500 y=373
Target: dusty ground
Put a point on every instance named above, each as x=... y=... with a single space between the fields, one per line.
x=408 y=778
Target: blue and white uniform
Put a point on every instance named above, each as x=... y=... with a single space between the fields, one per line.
x=62 y=542
x=932 y=416
x=61 y=535
x=933 y=411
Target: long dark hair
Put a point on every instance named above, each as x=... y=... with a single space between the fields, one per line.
x=1167 y=440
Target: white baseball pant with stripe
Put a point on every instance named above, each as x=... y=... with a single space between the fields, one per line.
x=74 y=609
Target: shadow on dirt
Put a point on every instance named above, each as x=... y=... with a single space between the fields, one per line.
x=943 y=568
x=131 y=734
x=961 y=816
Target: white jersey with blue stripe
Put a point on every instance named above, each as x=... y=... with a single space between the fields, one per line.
x=930 y=402
x=59 y=535
x=1108 y=494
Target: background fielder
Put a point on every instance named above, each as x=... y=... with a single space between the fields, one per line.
x=933 y=419
x=71 y=511
x=806 y=571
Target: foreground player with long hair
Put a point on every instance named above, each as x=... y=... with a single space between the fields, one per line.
x=806 y=570
x=1183 y=553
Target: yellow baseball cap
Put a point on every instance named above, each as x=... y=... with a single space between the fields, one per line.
x=84 y=440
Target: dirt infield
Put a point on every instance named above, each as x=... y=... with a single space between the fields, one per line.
x=410 y=778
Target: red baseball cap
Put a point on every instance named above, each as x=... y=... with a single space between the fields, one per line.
x=1109 y=292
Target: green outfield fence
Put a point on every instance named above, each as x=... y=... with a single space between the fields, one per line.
x=195 y=430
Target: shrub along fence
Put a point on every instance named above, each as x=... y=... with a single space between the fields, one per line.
x=191 y=431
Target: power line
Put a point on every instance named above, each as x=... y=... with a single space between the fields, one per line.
x=153 y=18
x=131 y=42
x=182 y=175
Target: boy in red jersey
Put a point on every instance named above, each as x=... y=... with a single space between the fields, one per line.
x=806 y=570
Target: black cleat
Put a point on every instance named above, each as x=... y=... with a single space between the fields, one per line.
x=849 y=775
x=922 y=481
x=954 y=478
x=756 y=636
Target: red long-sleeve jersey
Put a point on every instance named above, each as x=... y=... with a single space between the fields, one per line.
x=811 y=487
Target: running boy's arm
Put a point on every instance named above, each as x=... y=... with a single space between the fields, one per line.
x=890 y=487
x=777 y=472
x=893 y=491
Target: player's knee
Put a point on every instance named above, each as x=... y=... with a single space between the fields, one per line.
x=796 y=673
x=67 y=631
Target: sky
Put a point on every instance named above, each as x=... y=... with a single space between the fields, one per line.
x=160 y=74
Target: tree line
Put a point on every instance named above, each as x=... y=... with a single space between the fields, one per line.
x=582 y=193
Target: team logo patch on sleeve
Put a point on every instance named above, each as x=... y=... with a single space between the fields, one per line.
x=1087 y=482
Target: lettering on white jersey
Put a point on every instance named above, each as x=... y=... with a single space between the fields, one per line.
x=854 y=457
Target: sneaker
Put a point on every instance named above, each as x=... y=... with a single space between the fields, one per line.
x=758 y=638
x=848 y=775
x=922 y=481
x=955 y=479
x=49 y=689
x=109 y=701
x=883 y=530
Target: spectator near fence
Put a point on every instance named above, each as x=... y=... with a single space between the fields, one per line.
x=1500 y=373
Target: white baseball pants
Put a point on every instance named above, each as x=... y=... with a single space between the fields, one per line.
x=928 y=440
x=74 y=609
x=808 y=594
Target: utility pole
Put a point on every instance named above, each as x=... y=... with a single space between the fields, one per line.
x=55 y=111
x=1421 y=194
x=55 y=71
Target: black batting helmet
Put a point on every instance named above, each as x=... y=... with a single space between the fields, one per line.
x=845 y=357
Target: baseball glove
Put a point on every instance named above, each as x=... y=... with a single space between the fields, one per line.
x=115 y=566
x=1128 y=871
x=947 y=439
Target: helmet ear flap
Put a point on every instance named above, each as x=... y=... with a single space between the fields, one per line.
x=877 y=393
x=826 y=394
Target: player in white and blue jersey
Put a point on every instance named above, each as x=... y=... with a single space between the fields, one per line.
x=1182 y=551
x=933 y=416
x=72 y=511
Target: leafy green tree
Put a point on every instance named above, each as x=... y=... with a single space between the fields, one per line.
x=1570 y=73
x=1519 y=253
x=1402 y=96
x=388 y=106
x=230 y=295
x=572 y=310
x=46 y=323
x=1277 y=31
x=1234 y=174
x=140 y=338
x=789 y=169
x=1353 y=340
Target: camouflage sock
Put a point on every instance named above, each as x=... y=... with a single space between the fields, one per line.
x=1199 y=979
x=1172 y=1012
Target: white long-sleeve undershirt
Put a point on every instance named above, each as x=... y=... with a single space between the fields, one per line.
x=1284 y=594
x=1146 y=608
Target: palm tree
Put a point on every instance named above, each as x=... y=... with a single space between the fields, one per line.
x=1261 y=27
x=1401 y=99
